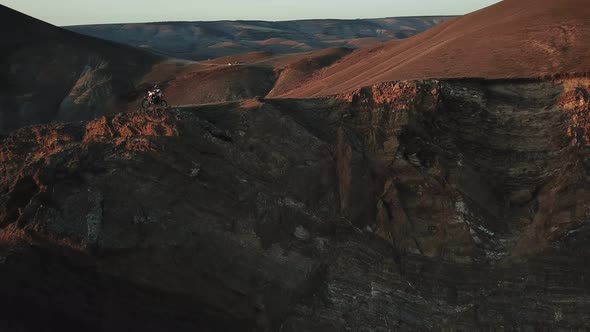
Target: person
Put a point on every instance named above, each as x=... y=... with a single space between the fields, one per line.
x=155 y=94
x=155 y=97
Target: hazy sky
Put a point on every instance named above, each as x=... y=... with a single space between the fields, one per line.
x=69 y=12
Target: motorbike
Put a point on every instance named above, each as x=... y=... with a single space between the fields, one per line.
x=154 y=98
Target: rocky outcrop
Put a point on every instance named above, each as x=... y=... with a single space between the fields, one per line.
x=406 y=205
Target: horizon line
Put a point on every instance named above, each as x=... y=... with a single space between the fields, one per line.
x=255 y=20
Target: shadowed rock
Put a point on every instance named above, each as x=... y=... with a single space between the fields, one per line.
x=405 y=205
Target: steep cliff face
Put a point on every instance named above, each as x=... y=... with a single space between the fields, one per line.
x=502 y=163
x=405 y=205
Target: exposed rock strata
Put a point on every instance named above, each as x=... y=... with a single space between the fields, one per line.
x=410 y=205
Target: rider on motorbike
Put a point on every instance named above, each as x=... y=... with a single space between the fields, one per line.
x=155 y=94
x=154 y=98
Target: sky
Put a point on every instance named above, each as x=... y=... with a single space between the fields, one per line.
x=72 y=12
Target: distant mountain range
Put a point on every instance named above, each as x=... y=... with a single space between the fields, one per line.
x=206 y=40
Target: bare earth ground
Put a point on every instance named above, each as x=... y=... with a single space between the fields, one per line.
x=512 y=39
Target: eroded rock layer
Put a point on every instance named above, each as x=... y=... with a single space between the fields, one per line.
x=453 y=205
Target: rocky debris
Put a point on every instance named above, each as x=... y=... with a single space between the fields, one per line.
x=404 y=206
x=576 y=101
x=196 y=170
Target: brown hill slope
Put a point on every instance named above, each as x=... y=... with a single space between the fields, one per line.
x=235 y=77
x=52 y=74
x=512 y=39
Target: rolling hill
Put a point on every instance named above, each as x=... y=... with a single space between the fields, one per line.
x=207 y=40
x=51 y=74
x=511 y=39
